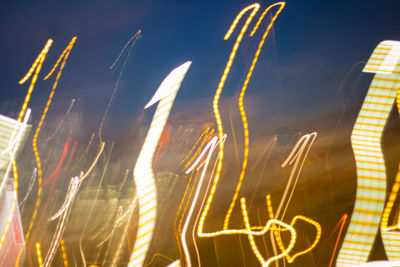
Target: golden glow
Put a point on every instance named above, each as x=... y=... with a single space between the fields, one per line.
x=39 y=255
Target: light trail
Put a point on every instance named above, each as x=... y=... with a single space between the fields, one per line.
x=143 y=172
x=37 y=65
x=296 y=157
x=63 y=57
x=62 y=121
x=39 y=255
x=199 y=212
x=96 y=197
x=35 y=70
x=64 y=253
x=131 y=43
x=32 y=181
x=124 y=232
x=341 y=222
x=367 y=147
x=63 y=213
x=301 y=149
x=241 y=105
x=210 y=147
x=254 y=8
x=83 y=159
x=270 y=225
x=204 y=137
x=74 y=184
x=316 y=225
x=52 y=178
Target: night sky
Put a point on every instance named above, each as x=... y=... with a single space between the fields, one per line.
x=302 y=64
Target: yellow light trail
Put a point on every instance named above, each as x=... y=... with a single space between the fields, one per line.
x=143 y=172
x=271 y=224
x=254 y=9
x=221 y=84
x=241 y=106
x=63 y=56
x=316 y=225
x=35 y=70
x=39 y=255
x=64 y=253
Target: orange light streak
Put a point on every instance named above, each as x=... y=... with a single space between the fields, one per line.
x=341 y=222
x=39 y=255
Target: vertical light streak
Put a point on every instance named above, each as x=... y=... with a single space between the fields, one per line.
x=204 y=137
x=39 y=255
x=64 y=57
x=210 y=147
x=241 y=105
x=130 y=210
x=64 y=253
x=341 y=222
x=143 y=172
x=366 y=144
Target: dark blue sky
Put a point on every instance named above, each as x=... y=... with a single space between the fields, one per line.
x=313 y=45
